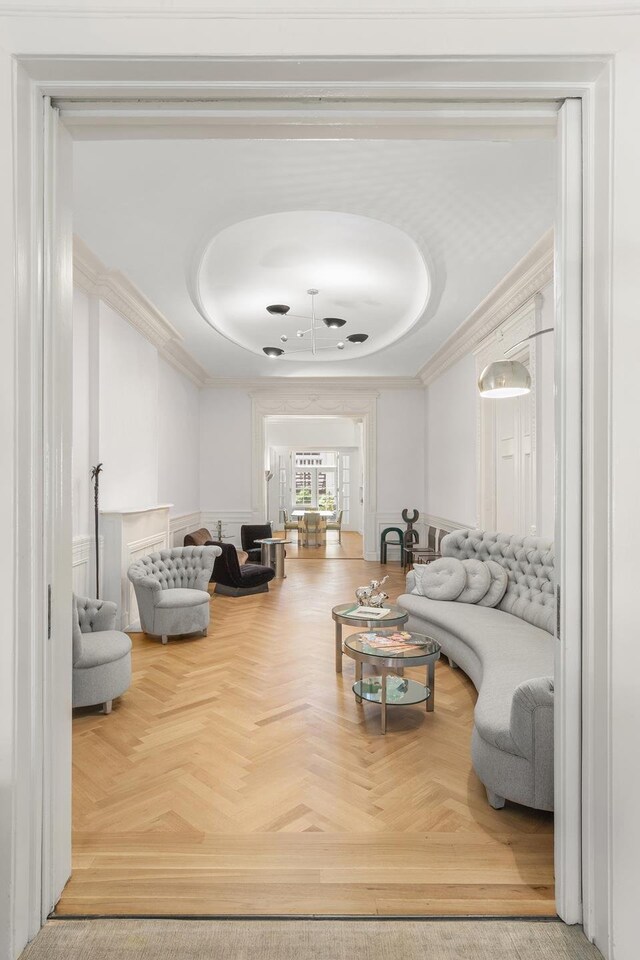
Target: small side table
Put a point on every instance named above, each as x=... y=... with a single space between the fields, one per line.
x=387 y=688
x=272 y=555
x=395 y=618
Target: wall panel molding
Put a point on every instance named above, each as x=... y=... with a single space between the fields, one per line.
x=521 y=284
x=182 y=524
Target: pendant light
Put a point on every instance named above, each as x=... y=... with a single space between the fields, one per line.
x=507 y=378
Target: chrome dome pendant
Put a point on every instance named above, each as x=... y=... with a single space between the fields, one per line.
x=316 y=342
x=507 y=378
x=504 y=378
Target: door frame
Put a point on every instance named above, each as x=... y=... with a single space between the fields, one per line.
x=585 y=873
x=325 y=401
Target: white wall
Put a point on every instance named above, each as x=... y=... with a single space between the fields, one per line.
x=178 y=440
x=136 y=414
x=81 y=492
x=225 y=450
x=128 y=443
x=322 y=432
x=400 y=417
x=451 y=426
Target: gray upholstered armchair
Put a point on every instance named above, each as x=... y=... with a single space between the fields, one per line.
x=101 y=654
x=171 y=590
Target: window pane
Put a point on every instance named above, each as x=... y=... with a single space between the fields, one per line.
x=326 y=489
x=303 y=488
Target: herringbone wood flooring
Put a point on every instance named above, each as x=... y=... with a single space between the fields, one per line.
x=349 y=549
x=238 y=776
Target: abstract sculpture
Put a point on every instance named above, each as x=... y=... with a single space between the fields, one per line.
x=367 y=596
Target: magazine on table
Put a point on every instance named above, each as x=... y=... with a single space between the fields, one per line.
x=399 y=642
x=368 y=613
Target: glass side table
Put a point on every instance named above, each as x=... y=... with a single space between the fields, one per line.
x=388 y=689
x=395 y=618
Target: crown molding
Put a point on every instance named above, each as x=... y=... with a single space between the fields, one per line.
x=175 y=354
x=382 y=10
x=306 y=385
x=523 y=282
x=118 y=292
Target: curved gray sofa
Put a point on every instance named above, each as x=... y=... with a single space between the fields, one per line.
x=508 y=652
x=101 y=654
x=172 y=590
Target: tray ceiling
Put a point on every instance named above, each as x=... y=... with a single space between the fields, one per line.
x=450 y=219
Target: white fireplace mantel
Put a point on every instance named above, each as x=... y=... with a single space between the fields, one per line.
x=129 y=534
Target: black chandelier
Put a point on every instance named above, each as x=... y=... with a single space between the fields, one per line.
x=316 y=342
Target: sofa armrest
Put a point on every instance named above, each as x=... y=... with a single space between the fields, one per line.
x=410 y=581
x=96 y=615
x=532 y=732
x=148 y=584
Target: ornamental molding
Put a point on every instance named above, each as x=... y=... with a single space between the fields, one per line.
x=316 y=385
x=520 y=285
x=118 y=292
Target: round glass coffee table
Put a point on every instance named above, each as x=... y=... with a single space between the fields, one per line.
x=388 y=655
x=395 y=618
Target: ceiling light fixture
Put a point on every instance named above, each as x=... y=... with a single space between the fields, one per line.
x=507 y=378
x=316 y=342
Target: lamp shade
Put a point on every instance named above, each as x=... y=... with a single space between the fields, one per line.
x=504 y=378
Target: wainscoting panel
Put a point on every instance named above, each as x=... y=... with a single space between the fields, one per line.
x=180 y=525
x=82 y=566
x=231 y=521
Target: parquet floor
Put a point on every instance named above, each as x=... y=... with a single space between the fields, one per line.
x=349 y=549
x=238 y=776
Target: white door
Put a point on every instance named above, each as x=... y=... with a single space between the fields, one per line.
x=514 y=465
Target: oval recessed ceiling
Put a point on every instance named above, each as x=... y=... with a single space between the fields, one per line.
x=367 y=272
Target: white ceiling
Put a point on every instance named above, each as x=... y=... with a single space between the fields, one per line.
x=367 y=273
x=152 y=208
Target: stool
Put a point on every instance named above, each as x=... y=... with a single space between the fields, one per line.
x=384 y=543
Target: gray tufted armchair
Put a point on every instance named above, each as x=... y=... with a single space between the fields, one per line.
x=171 y=590
x=101 y=654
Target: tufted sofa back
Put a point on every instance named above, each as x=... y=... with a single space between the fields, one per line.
x=187 y=567
x=529 y=564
